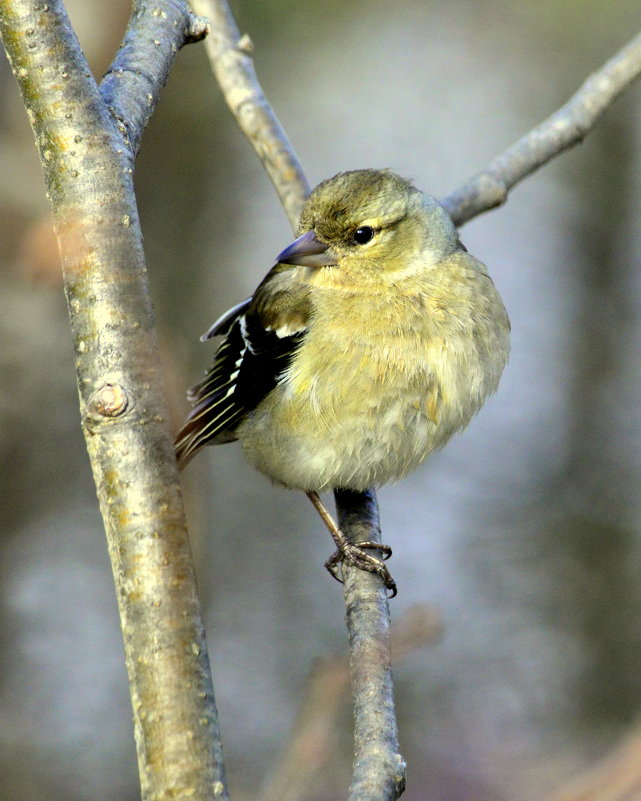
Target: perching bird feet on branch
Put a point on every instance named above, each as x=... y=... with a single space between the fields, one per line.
x=356 y=556
x=352 y=554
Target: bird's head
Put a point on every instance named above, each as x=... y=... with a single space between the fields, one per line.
x=371 y=224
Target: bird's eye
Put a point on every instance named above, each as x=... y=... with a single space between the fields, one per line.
x=363 y=235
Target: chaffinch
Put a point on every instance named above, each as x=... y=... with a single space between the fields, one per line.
x=374 y=338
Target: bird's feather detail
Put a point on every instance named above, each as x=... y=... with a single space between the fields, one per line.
x=224 y=322
x=247 y=366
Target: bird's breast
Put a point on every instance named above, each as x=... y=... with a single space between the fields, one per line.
x=377 y=384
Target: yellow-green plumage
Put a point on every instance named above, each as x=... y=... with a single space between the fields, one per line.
x=398 y=340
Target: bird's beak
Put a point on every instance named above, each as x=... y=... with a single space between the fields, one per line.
x=308 y=251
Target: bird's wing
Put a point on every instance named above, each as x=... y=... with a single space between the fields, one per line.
x=261 y=337
x=224 y=322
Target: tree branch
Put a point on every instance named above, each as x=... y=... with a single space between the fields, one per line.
x=312 y=741
x=140 y=69
x=231 y=63
x=88 y=174
x=375 y=730
x=565 y=128
x=379 y=768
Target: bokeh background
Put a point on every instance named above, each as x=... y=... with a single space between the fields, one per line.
x=523 y=534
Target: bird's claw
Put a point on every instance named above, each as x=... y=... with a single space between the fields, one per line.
x=357 y=556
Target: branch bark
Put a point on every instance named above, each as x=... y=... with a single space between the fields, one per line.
x=88 y=171
x=379 y=768
x=563 y=129
x=131 y=86
x=312 y=745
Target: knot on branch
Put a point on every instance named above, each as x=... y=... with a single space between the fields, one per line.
x=197 y=29
x=110 y=400
x=245 y=45
x=492 y=188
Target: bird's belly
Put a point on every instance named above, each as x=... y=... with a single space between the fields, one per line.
x=353 y=424
x=366 y=449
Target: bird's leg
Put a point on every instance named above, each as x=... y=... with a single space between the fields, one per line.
x=355 y=555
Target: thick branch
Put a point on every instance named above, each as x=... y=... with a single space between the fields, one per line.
x=124 y=413
x=565 y=128
x=379 y=768
x=132 y=84
x=231 y=62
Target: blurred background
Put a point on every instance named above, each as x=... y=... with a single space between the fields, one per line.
x=522 y=535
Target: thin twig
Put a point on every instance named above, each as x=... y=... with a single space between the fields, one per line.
x=88 y=172
x=565 y=128
x=379 y=768
x=312 y=741
x=230 y=58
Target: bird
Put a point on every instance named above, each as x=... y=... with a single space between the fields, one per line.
x=374 y=338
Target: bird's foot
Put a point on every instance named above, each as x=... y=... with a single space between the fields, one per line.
x=357 y=556
x=352 y=554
